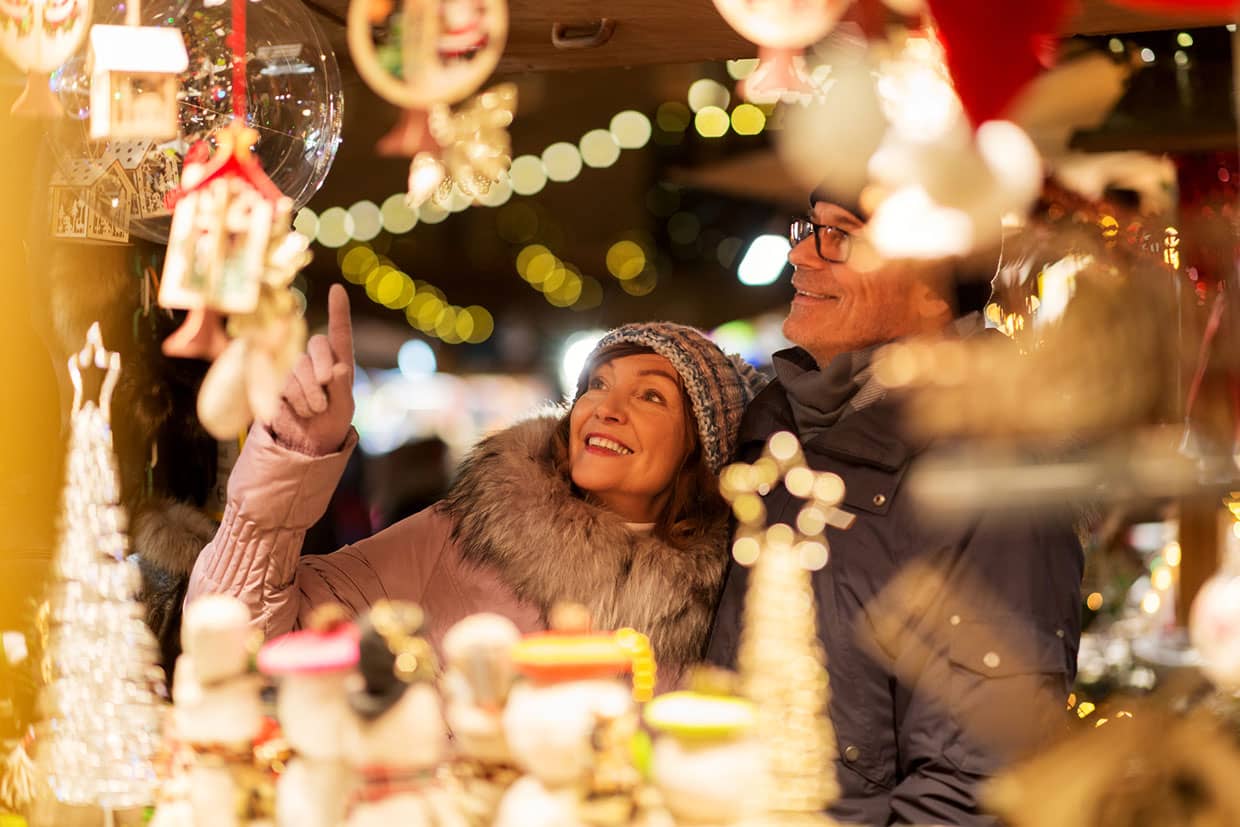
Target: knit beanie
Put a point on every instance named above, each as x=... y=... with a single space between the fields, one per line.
x=718 y=385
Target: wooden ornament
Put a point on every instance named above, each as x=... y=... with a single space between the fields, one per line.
x=134 y=81
x=38 y=36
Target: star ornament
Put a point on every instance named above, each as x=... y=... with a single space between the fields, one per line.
x=744 y=484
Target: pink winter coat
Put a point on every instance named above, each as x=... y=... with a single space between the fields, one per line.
x=511 y=538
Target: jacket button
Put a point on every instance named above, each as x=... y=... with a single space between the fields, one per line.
x=851 y=753
x=880 y=500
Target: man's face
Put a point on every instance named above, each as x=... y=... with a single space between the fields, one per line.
x=839 y=308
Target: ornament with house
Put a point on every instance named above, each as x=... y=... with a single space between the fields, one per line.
x=232 y=252
x=154 y=169
x=92 y=200
x=38 y=36
x=134 y=81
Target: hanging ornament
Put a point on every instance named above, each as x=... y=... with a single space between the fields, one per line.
x=782 y=29
x=231 y=252
x=438 y=54
x=994 y=50
x=39 y=35
x=134 y=78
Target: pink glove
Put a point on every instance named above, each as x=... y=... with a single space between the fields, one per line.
x=316 y=407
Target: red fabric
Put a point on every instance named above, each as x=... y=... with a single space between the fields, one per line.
x=994 y=49
x=1179 y=5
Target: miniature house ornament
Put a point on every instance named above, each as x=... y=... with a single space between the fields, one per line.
x=38 y=36
x=134 y=79
x=782 y=29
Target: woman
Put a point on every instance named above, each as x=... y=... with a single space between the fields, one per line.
x=614 y=505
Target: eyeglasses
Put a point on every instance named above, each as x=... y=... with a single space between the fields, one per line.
x=832 y=243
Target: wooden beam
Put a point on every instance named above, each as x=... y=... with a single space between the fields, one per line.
x=1102 y=17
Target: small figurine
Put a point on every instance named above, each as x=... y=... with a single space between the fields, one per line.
x=217 y=708
x=397 y=738
x=313 y=666
x=1214 y=627
x=479 y=674
x=570 y=727
x=706 y=762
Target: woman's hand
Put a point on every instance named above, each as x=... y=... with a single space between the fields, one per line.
x=316 y=406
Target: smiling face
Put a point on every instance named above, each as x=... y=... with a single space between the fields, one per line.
x=629 y=435
x=839 y=308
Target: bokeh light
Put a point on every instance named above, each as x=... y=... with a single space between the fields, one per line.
x=673 y=116
x=562 y=161
x=625 y=259
x=335 y=227
x=643 y=284
x=483 y=324
x=591 y=294
x=712 y=122
x=306 y=223
x=357 y=263
x=708 y=92
x=527 y=175
x=741 y=69
x=367 y=220
x=497 y=195
x=748 y=119
x=599 y=149
x=516 y=223
x=397 y=216
x=631 y=129
x=432 y=213
x=416 y=358
x=683 y=227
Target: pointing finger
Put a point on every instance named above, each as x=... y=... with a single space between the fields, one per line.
x=339 y=325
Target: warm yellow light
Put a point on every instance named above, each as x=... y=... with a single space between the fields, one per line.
x=367 y=220
x=567 y=293
x=431 y=213
x=1151 y=603
x=1172 y=553
x=527 y=175
x=706 y=92
x=741 y=69
x=1162 y=578
x=335 y=227
x=562 y=161
x=406 y=294
x=357 y=264
x=397 y=216
x=642 y=284
x=712 y=122
x=631 y=129
x=1184 y=39
x=375 y=277
x=748 y=119
x=1085 y=709
x=599 y=149
x=543 y=268
x=484 y=324
x=390 y=286
x=445 y=325
x=1094 y=601
x=497 y=195
x=625 y=259
x=554 y=279
x=306 y=223
x=673 y=116
x=591 y=294
x=746 y=550
x=527 y=256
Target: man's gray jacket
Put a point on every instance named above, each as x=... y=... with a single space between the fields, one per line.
x=951 y=647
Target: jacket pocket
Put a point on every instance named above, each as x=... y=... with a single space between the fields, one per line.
x=1007 y=689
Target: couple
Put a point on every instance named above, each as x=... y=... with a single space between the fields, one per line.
x=615 y=505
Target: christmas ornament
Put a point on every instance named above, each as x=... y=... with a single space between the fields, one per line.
x=570 y=727
x=397 y=738
x=1214 y=628
x=706 y=757
x=442 y=52
x=782 y=29
x=232 y=252
x=294 y=97
x=218 y=712
x=38 y=36
x=994 y=51
x=313 y=666
x=103 y=717
x=92 y=200
x=782 y=664
x=478 y=676
x=134 y=79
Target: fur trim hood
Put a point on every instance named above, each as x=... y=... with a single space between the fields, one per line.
x=167 y=535
x=513 y=513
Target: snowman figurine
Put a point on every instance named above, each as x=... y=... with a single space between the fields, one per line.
x=706 y=758
x=570 y=726
x=313 y=666
x=397 y=737
x=479 y=673
x=217 y=710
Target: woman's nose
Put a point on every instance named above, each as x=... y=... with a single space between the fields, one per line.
x=611 y=408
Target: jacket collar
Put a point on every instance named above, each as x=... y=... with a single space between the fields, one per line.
x=873 y=436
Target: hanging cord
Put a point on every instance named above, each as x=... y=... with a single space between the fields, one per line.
x=237 y=41
x=1203 y=355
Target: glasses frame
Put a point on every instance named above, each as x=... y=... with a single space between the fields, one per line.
x=800 y=229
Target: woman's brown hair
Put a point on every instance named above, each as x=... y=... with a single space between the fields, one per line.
x=695 y=504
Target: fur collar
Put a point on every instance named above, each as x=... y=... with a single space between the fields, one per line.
x=512 y=512
x=168 y=535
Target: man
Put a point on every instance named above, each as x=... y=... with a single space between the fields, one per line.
x=950 y=647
